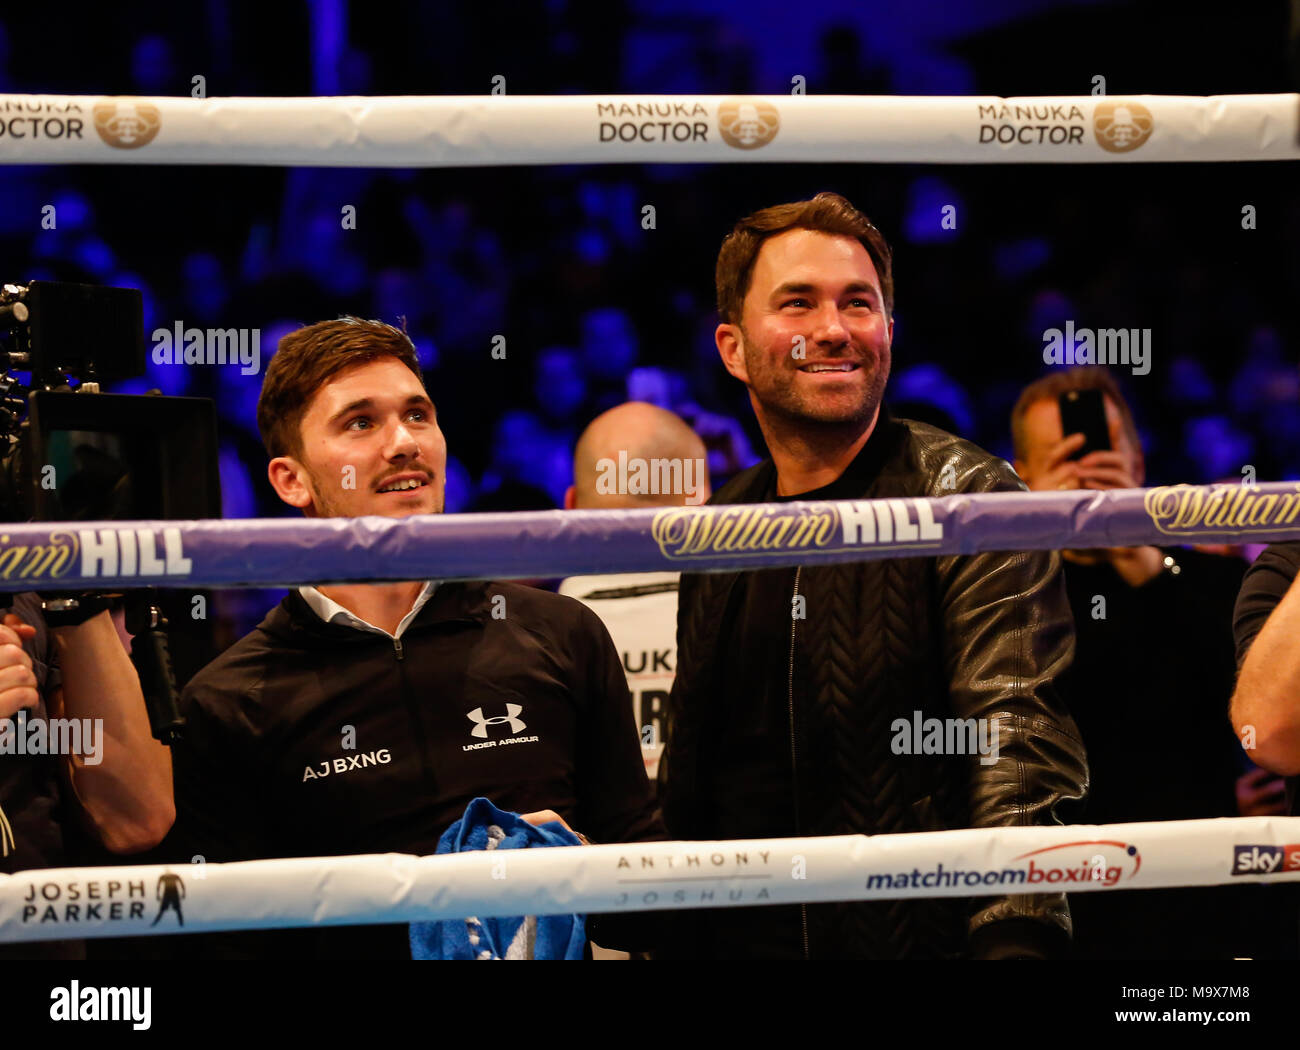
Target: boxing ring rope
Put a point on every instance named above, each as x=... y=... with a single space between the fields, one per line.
x=264 y=552
x=495 y=130
x=645 y=876
x=641 y=876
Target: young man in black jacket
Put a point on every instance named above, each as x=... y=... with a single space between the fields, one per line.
x=789 y=681
x=363 y=718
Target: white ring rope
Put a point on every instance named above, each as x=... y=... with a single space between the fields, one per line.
x=493 y=130
x=646 y=876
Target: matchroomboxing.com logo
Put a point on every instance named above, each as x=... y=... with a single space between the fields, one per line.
x=1095 y=860
x=748 y=123
x=1122 y=126
x=125 y=123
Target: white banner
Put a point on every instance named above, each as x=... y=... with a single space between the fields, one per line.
x=656 y=876
x=490 y=130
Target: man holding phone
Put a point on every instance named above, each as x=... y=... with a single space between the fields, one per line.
x=1152 y=674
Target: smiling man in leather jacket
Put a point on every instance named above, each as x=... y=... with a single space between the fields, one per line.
x=789 y=680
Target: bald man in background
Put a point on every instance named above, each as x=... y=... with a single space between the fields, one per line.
x=657 y=451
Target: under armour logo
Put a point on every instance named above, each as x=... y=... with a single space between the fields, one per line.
x=481 y=723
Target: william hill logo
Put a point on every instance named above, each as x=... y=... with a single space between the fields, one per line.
x=126 y=123
x=1188 y=510
x=682 y=533
x=1122 y=126
x=91 y=554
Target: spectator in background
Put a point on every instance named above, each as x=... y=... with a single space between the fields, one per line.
x=639 y=609
x=1152 y=674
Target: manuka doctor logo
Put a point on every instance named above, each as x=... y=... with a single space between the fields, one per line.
x=653 y=120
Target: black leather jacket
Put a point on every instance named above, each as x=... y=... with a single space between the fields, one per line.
x=977 y=636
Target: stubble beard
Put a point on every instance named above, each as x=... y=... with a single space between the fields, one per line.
x=780 y=401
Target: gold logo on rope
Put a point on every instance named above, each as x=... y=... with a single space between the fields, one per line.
x=1122 y=126
x=748 y=123
x=42 y=561
x=690 y=532
x=126 y=123
x=1189 y=510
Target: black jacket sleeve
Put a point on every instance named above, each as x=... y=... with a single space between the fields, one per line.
x=216 y=780
x=1008 y=634
x=221 y=814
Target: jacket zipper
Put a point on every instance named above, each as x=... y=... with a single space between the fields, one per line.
x=794 y=754
x=397 y=647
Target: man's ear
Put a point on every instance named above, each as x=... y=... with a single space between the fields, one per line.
x=1018 y=465
x=732 y=351
x=570 y=498
x=289 y=479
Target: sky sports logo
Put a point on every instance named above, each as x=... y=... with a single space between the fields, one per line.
x=1265 y=860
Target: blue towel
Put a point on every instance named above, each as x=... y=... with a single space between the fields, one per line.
x=519 y=937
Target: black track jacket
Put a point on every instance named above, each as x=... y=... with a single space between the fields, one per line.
x=314 y=739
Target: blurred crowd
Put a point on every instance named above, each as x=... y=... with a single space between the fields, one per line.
x=538 y=298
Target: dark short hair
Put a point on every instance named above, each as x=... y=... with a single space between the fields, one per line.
x=307 y=359
x=1054 y=384
x=825 y=213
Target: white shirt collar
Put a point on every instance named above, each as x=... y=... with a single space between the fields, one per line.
x=332 y=612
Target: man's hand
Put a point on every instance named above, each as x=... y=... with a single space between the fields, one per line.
x=1059 y=470
x=545 y=816
x=1261 y=794
x=17 y=679
x=1104 y=469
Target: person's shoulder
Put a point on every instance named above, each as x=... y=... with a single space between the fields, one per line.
x=1265 y=583
x=1280 y=558
x=953 y=464
x=235 y=677
x=556 y=620
x=536 y=605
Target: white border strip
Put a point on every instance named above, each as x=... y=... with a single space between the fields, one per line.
x=395 y=888
x=493 y=130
